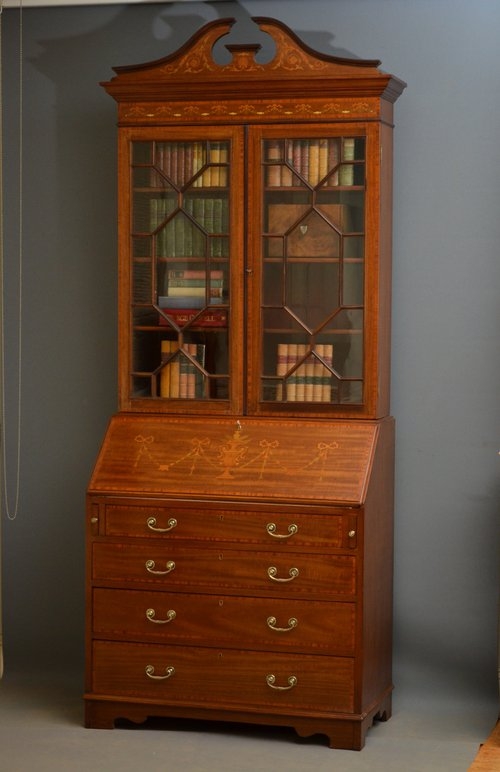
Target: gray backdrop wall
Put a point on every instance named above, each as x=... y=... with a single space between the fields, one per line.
x=446 y=352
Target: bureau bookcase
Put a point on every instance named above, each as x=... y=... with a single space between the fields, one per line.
x=240 y=512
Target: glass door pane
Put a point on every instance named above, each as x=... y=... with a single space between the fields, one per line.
x=313 y=250
x=180 y=269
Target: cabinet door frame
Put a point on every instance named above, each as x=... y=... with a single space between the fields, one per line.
x=377 y=269
x=127 y=401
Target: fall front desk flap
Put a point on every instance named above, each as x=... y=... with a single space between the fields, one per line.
x=229 y=458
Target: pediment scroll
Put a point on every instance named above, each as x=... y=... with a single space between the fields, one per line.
x=196 y=57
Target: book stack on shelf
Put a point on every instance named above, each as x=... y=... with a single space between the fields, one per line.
x=180 y=377
x=181 y=161
x=314 y=160
x=311 y=381
x=188 y=293
x=215 y=176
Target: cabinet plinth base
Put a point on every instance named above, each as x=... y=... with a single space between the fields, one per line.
x=342 y=732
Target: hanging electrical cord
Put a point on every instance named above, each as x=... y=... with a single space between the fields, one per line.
x=10 y=512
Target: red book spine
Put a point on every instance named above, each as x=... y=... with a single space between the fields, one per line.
x=214 y=317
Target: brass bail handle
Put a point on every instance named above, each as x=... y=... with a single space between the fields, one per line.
x=151 y=567
x=272 y=573
x=151 y=616
x=272 y=624
x=151 y=524
x=271 y=682
x=272 y=530
x=150 y=672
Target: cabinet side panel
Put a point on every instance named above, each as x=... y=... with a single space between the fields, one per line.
x=378 y=571
x=385 y=279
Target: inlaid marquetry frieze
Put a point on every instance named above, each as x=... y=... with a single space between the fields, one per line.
x=162 y=112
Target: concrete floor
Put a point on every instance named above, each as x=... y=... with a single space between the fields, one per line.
x=436 y=729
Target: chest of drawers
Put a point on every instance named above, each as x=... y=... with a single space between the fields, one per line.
x=264 y=606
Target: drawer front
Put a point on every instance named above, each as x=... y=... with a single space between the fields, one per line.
x=176 y=567
x=310 y=626
x=223 y=678
x=208 y=524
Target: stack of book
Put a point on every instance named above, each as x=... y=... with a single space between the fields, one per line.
x=188 y=292
x=180 y=378
x=314 y=159
x=311 y=381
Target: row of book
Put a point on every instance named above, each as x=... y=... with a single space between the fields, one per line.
x=180 y=377
x=311 y=381
x=180 y=236
x=314 y=160
x=181 y=161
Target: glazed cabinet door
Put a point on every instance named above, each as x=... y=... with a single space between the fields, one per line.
x=181 y=252
x=314 y=269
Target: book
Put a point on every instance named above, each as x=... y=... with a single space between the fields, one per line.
x=333 y=152
x=313 y=166
x=324 y=387
x=169 y=374
x=191 y=377
x=291 y=381
x=165 y=371
x=281 y=368
x=186 y=301
x=322 y=159
x=309 y=378
x=299 y=374
x=213 y=317
x=317 y=376
x=194 y=282
x=199 y=375
x=198 y=159
x=194 y=274
x=287 y=178
x=183 y=301
x=174 y=377
x=274 y=169
x=183 y=291
x=327 y=380
x=185 y=373
x=346 y=171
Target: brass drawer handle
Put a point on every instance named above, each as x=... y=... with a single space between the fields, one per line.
x=292 y=623
x=272 y=574
x=150 y=672
x=271 y=528
x=271 y=682
x=151 y=523
x=151 y=613
x=150 y=566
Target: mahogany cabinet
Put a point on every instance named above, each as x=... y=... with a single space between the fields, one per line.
x=239 y=517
